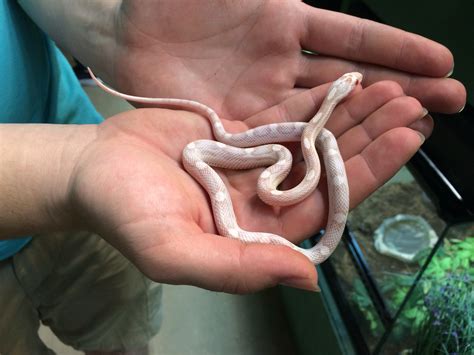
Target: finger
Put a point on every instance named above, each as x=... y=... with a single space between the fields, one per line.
x=424 y=126
x=436 y=94
x=349 y=37
x=359 y=107
x=366 y=172
x=347 y=115
x=399 y=112
x=227 y=265
x=379 y=161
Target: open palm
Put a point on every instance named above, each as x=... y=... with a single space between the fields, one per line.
x=130 y=187
x=241 y=58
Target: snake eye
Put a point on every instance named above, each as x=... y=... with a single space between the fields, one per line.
x=353 y=78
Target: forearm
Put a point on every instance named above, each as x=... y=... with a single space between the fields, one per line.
x=85 y=28
x=36 y=163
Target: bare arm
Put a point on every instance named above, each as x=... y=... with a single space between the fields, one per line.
x=123 y=179
x=36 y=161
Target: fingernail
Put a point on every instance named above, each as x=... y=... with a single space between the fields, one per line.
x=424 y=112
x=422 y=137
x=300 y=283
x=462 y=109
x=450 y=72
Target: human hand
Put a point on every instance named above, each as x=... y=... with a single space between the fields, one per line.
x=241 y=58
x=130 y=187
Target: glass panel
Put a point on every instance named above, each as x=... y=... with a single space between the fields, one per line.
x=460 y=232
x=356 y=295
x=438 y=318
x=396 y=224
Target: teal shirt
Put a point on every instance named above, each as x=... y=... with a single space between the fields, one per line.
x=37 y=84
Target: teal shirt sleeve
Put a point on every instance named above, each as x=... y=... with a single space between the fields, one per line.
x=11 y=247
x=37 y=86
x=68 y=103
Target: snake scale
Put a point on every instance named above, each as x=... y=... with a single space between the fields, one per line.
x=258 y=147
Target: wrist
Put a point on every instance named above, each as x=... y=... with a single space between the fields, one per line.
x=37 y=163
x=63 y=212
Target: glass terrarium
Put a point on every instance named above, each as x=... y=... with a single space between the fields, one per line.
x=382 y=292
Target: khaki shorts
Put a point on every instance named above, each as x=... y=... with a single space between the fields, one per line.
x=90 y=296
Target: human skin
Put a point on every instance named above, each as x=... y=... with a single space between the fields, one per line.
x=245 y=60
x=123 y=179
x=242 y=57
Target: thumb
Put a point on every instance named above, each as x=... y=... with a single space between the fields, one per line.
x=227 y=265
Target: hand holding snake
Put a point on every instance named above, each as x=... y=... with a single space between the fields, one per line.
x=131 y=188
x=253 y=148
x=155 y=213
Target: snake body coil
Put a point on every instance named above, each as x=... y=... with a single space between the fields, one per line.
x=257 y=148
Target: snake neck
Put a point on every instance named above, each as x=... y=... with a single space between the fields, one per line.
x=317 y=123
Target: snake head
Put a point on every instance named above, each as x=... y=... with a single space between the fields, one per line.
x=343 y=86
